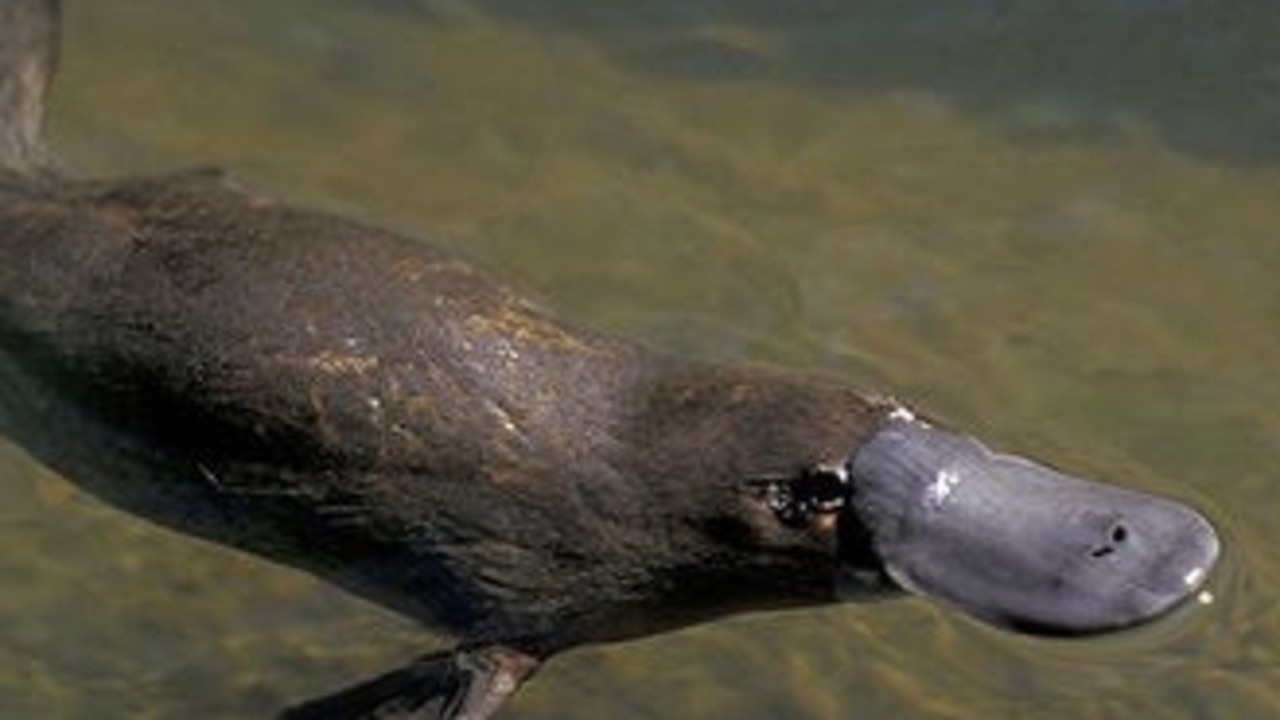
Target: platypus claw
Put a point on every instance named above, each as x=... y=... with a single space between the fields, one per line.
x=460 y=684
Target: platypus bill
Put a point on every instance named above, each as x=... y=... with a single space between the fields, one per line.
x=362 y=406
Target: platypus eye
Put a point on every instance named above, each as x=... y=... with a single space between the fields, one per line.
x=797 y=501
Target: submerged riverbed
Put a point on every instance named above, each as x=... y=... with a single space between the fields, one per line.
x=1057 y=226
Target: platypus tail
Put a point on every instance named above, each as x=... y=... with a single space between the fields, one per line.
x=29 y=32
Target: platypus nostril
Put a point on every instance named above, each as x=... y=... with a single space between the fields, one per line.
x=1102 y=551
x=1118 y=534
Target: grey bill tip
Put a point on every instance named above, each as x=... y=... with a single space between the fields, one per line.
x=1018 y=544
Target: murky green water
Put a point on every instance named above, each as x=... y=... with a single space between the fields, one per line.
x=1057 y=224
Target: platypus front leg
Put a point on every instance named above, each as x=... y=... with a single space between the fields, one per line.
x=460 y=684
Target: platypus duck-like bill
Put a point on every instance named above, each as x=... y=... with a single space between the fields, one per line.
x=364 y=407
x=1018 y=544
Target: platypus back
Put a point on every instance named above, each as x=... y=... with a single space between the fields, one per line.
x=360 y=405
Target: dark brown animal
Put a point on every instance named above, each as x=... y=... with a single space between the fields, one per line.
x=341 y=399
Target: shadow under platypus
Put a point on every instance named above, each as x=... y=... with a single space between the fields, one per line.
x=357 y=404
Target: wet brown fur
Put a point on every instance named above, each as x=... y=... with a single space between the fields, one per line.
x=358 y=404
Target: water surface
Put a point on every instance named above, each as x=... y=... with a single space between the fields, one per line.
x=1056 y=225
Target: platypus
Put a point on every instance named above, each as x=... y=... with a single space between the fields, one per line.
x=363 y=406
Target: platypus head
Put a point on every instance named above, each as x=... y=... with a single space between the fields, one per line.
x=1010 y=541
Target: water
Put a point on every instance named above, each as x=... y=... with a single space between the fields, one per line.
x=1055 y=225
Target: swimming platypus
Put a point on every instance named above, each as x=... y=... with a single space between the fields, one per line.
x=360 y=405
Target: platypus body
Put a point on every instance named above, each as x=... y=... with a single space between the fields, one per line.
x=332 y=395
x=345 y=400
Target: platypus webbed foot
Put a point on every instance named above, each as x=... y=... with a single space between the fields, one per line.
x=462 y=684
